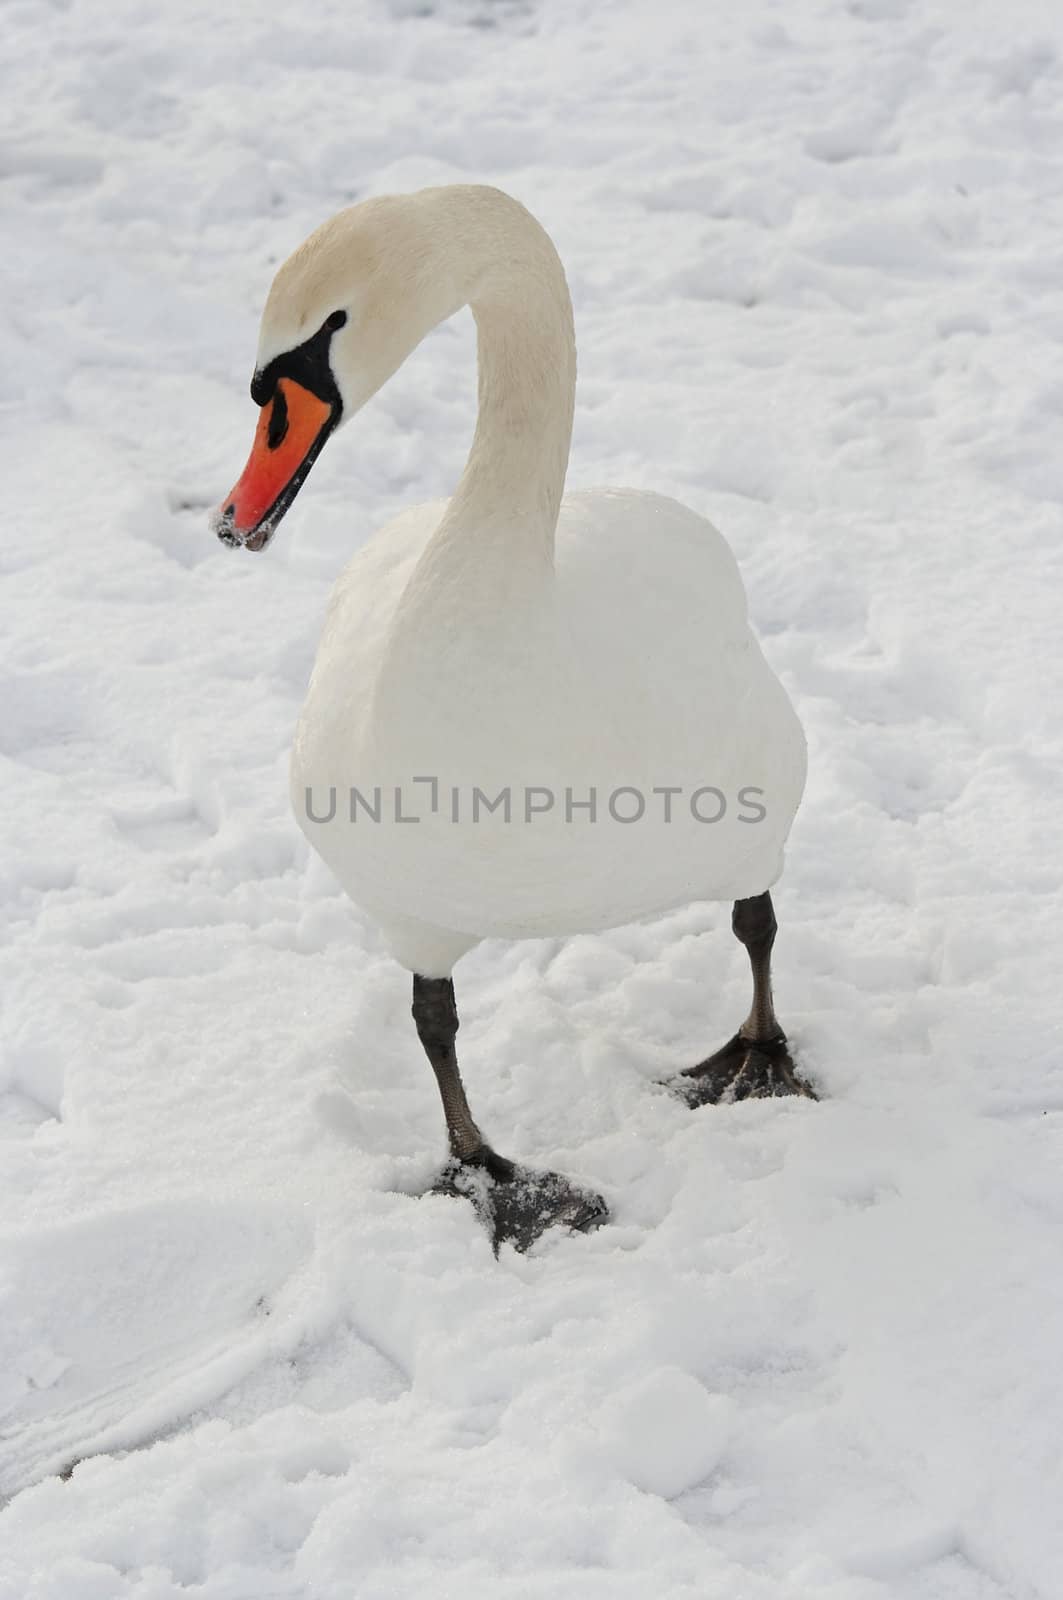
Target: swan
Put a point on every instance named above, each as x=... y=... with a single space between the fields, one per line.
x=531 y=713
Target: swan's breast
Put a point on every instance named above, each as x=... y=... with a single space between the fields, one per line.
x=636 y=670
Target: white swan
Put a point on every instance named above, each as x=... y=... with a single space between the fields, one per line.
x=563 y=692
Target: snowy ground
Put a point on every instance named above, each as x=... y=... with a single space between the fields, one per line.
x=816 y=252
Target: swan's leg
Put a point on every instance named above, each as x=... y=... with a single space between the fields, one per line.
x=753 y=922
x=515 y=1203
x=435 y=1013
x=756 y=1062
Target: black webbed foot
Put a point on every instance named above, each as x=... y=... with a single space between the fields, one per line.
x=743 y=1069
x=517 y=1204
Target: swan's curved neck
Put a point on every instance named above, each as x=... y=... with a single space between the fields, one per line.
x=527 y=381
x=510 y=492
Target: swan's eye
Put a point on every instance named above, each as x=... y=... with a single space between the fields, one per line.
x=278 y=422
x=337 y=319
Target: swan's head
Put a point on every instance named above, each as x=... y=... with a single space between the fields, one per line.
x=342 y=314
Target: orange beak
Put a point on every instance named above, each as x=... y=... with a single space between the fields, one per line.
x=291 y=430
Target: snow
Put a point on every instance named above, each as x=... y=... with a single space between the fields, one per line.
x=815 y=256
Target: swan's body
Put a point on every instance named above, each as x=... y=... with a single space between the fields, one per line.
x=592 y=649
x=624 y=667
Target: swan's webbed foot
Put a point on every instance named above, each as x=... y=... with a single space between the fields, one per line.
x=517 y=1204
x=756 y=1063
x=744 y=1069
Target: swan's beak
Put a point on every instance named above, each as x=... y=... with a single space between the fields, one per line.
x=291 y=430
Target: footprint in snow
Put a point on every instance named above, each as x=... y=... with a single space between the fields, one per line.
x=168 y=822
x=176 y=524
x=48 y=720
x=115 y=1329
x=21 y=1115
